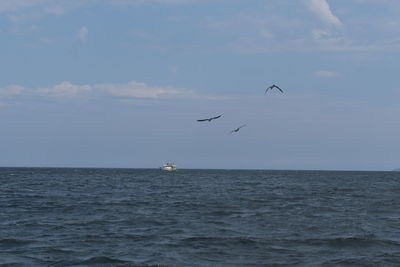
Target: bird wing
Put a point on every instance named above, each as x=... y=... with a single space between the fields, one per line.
x=213 y=118
x=232 y=131
x=241 y=126
x=203 y=120
x=277 y=87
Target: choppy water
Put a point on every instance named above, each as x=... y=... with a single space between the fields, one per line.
x=141 y=217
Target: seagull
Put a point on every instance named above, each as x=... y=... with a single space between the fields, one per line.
x=272 y=87
x=210 y=119
x=237 y=129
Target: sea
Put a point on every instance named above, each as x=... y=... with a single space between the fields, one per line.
x=148 y=217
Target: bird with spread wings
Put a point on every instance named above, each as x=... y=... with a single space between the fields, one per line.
x=272 y=87
x=237 y=129
x=210 y=119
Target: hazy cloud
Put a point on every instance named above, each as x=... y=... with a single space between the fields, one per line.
x=325 y=74
x=11 y=5
x=82 y=34
x=56 y=7
x=152 y=1
x=11 y=90
x=59 y=7
x=323 y=11
x=57 y=10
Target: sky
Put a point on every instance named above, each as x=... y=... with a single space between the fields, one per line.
x=121 y=83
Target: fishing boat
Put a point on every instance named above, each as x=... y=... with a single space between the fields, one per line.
x=168 y=167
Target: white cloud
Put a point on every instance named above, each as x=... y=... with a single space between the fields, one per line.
x=125 y=92
x=132 y=89
x=325 y=74
x=140 y=90
x=323 y=11
x=83 y=34
x=64 y=89
x=270 y=30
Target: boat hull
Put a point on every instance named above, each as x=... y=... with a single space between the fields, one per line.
x=168 y=167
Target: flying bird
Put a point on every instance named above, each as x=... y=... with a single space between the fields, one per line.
x=210 y=119
x=237 y=129
x=272 y=87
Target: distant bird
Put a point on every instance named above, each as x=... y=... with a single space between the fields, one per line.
x=237 y=129
x=272 y=87
x=210 y=119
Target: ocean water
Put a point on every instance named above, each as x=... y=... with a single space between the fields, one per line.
x=146 y=217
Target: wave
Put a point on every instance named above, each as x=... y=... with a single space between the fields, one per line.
x=102 y=260
x=96 y=261
x=224 y=240
x=15 y=242
x=377 y=260
x=352 y=241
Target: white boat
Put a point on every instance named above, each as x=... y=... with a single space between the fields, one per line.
x=168 y=167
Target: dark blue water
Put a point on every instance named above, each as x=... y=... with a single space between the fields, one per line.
x=140 y=217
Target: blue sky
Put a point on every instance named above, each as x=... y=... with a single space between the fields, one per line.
x=120 y=83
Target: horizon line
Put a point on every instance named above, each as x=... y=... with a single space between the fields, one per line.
x=226 y=169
